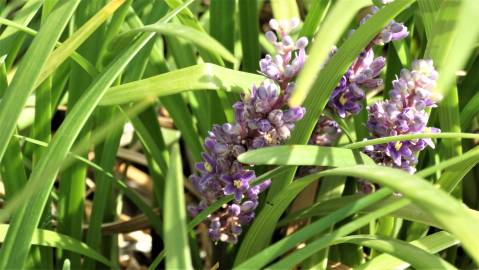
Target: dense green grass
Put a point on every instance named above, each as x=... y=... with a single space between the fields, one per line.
x=73 y=73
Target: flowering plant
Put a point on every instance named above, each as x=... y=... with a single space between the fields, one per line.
x=174 y=134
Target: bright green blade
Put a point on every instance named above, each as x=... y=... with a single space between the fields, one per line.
x=415 y=256
x=67 y=48
x=432 y=243
x=52 y=239
x=307 y=155
x=174 y=231
x=196 y=37
x=198 y=77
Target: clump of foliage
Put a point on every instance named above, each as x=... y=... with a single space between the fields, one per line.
x=239 y=134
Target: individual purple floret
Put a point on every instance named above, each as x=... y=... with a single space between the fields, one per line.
x=363 y=75
x=404 y=113
x=326 y=132
x=261 y=120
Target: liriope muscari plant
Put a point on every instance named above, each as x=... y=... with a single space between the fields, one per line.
x=261 y=120
x=80 y=191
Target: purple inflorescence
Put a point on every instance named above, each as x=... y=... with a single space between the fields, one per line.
x=363 y=75
x=260 y=120
x=404 y=113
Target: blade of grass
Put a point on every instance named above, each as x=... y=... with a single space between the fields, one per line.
x=416 y=256
x=78 y=38
x=442 y=135
x=104 y=196
x=198 y=77
x=41 y=130
x=451 y=42
x=470 y=111
x=198 y=38
x=72 y=185
x=49 y=238
x=176 y=240
x=432 y=243
x=285 y=9
x=13 y=174
x=316 y=14
x=249 y=30
x=428 y=10
x=306 y=155
x=222 y=22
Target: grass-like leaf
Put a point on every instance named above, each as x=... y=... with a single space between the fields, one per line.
x=198 y=38
x=407 y=252
x=49 y=238
x=198 y=77
x=307 y=155
x=432 y=243
x=175 y=234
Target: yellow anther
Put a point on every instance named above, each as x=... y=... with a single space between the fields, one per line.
x=237 y=183
x=398 y=145
x=208 y=167
x=342 y=100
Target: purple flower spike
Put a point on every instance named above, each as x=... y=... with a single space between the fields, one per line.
x=261 y=120
x=404 y=113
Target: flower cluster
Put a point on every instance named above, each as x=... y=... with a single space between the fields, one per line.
x=363 y=75
x=283 y=66
x=260 y=120
x=404 y=113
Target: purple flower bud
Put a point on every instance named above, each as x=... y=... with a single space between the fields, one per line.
x=302 y=43
x=294 y=114
x=234 y=210
x=276 y=117
x=264 y=125
x=274 y=24
x=248 y=206
x=271 y=37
